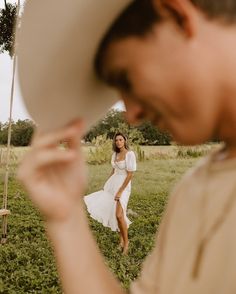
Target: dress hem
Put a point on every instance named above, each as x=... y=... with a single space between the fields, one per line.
x=105 y=224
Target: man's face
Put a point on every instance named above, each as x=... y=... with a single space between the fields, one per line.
x=169 y=79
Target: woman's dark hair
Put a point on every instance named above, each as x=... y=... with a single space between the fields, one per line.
x=139 y=17
x=114 y=147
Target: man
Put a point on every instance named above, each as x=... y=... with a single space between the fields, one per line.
x=172 y=62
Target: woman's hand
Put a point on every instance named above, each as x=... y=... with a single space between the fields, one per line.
x=118 y=195
x=55 y=177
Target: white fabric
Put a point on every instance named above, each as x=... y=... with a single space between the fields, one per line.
x=130 y=161
x=101 y=204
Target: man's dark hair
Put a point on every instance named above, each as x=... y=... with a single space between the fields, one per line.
x=224 y=10
x=140 y=16
x=136 y=20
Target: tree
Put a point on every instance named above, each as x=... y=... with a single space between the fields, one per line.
x=21 y=132
x=152 y=136
x=114 y=121
x=107 y=125
x=8 y=17
x=133 y=134
x=3 y=133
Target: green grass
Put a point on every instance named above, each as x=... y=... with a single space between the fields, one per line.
x=26 y=261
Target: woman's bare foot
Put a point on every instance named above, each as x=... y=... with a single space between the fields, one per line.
x=126 y=249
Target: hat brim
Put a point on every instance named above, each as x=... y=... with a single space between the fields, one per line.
x=57 y=43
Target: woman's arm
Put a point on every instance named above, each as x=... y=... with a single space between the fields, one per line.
x=55 y=180
x=112 y=173
x=124 y=185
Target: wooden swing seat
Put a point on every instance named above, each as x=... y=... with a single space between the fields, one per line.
x=4 y=212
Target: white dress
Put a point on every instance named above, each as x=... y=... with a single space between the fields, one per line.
x=101 y=204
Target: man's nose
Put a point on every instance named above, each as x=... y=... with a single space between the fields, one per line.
x=134 y=111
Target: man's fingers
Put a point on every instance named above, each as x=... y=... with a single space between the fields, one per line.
x=72 y=132
x=49 y=157
x=74 y=142
x=36 y=161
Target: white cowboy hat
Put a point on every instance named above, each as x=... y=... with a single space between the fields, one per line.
x=57 y=45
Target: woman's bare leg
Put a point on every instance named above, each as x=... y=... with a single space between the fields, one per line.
x=122 y=226
x=121 y=241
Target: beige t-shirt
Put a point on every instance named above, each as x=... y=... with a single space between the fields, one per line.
x=203 y=198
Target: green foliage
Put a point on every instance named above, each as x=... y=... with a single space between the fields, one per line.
x=152 y=136
x=3 y=157
x=3 y=133
x=114 y=121
x=26 y=262
x=192 y=151
x=21 y=133
x=133 y=134
x=140 y=154
x=7 y=24
x=101 y=151
x=106 y=126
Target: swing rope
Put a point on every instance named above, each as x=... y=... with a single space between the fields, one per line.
x=4 y=212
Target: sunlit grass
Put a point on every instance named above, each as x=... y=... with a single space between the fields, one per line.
x=26 y=261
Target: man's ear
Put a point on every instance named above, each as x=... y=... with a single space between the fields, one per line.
x=182 y=12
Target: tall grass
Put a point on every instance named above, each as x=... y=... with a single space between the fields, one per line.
x=16 y=154
x=100 y=152
x=193 y=152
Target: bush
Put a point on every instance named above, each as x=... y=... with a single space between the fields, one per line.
x=152 y=136
x=145 y=134
x=21 y=132
x=101 y=152
x=194 y=152
x=140 y=154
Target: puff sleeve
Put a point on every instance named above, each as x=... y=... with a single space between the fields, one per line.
x=131 y=161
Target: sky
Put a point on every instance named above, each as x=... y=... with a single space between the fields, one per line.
x=19 y=110
x=6 y=63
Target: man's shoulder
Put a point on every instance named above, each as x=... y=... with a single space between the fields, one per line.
x=193 y=176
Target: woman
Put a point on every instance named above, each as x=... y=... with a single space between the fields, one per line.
x=109 y=205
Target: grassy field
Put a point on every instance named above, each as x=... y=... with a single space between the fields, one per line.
x=26 y=261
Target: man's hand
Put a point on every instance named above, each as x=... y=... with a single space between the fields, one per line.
x=55 y=177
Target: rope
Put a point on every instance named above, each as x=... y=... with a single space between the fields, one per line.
x=6 y=180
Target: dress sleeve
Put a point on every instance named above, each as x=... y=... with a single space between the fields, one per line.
x=131 y=161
